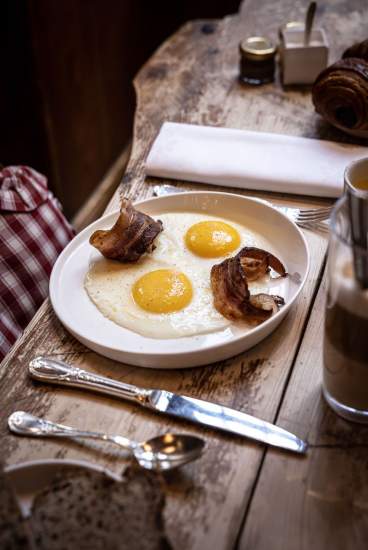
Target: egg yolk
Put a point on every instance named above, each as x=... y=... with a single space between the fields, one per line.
x=212 y=239
x=162 y=291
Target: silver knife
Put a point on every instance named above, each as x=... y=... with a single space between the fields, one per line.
x=46 y=369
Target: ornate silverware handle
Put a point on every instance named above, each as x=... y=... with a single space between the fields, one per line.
x=23 y=423
x=46 y=369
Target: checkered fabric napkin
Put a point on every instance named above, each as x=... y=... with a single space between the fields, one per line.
x=33 y=232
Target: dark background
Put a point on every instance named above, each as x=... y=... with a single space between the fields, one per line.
x=66 y=94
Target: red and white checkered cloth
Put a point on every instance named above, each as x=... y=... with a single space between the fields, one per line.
x=33 y=232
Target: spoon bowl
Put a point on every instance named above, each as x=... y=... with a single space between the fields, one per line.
x=159 y=454
x=168 y=451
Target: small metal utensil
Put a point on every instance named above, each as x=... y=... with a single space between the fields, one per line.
x=309 y=22
x=199 y=411
x=161 y=453
x=309 y=218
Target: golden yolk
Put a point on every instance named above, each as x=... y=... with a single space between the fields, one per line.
x=162 y=291
x=212 y=239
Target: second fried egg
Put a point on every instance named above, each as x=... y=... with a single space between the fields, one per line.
x=212 y=239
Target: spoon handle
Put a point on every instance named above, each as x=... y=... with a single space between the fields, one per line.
x=23 y=423
x=47 y=369
x=309 y=22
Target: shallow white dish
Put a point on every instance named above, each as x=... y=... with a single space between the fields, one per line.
x=81 y=317
x=29 y=478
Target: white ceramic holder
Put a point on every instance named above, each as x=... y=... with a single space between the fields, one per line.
x=300 y=63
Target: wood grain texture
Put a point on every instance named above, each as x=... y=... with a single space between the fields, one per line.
x=322 y=501
x=193 y=78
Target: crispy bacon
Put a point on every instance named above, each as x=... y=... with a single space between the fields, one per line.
x=257 y=262
x=229 y=288
x=131 y=236
x=229 y=282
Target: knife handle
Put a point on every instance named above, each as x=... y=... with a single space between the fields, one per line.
x=46 y=369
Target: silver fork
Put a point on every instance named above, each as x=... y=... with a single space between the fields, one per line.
x=309 y=218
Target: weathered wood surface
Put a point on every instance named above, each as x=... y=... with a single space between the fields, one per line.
x=321 y=502
x=225 y=497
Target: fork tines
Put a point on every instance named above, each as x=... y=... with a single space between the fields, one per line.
x=314 y=214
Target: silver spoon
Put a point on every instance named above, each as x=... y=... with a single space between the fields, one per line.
x=161 y=453
x=309 y=22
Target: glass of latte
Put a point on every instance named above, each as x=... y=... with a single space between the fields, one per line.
x=345 y=351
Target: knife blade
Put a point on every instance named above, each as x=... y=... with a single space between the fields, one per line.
x=209 y=414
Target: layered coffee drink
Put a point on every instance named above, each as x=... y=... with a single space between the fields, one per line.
x=345 y=355
x=346 y=340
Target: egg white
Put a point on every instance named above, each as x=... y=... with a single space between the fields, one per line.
x=109 y=283
x=176 y=226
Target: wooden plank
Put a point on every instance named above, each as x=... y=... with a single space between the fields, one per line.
x=193 y=78
x=85 y=98
x=223 y=479
x=322 y=500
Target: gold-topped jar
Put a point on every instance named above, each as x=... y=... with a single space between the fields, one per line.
x=257 y=60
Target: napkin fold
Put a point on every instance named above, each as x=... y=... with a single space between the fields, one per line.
x=251 y=160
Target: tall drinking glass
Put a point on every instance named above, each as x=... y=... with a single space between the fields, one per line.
x=345 y=353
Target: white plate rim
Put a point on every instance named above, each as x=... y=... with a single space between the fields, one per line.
x=25 y=496
x=204 y=348
x=57 y=462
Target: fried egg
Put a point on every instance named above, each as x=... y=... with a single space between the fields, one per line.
x=162 y=291
x=212 y=239
x=167 y=294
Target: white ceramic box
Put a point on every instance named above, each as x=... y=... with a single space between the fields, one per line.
x=300 y=63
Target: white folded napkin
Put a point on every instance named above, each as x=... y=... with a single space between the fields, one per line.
x=251 y=160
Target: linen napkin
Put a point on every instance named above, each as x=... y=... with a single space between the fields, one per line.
x=251 y=160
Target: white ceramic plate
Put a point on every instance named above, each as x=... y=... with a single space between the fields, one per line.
x=81 y=317
x=28 y=478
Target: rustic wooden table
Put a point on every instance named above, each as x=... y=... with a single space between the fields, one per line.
x=239 y=494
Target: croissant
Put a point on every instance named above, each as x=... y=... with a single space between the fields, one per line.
x=357 y=50
x=340 y=94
